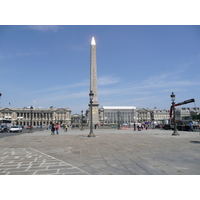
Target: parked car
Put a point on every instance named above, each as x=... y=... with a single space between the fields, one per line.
x=16 y=129
x=159 y=126
x=29 y=126
x=3 y=128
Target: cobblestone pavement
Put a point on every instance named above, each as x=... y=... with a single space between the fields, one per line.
x=111 y=152
x=29 y=161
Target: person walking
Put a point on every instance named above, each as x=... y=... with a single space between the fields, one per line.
x=191 y=126
x=66 y=127
x=134 y=126
x=52 y=129
x=57 y=128
x=139 y=126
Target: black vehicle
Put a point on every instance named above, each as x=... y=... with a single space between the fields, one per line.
x=159 y=126
x=3 y=128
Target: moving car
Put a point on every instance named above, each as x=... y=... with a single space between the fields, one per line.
x=16 y=129
x=3 y=128
x=29 y=127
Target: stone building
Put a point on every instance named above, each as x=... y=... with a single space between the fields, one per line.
x=22 y=116
x=115 y=114
x=143 y=115
x=155 y=115
x=129 y=114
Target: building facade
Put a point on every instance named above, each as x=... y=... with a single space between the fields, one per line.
x=38 y=116
x=130 y=114
x=117 y=114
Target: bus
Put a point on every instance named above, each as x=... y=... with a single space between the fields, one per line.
x=6 y=122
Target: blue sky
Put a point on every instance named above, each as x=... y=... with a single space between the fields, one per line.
x=137 y=65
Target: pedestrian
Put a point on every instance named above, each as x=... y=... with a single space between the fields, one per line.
x=66 y=127
x=139 y=126
x=191 y=126
x=57 y=128
x=52 y=129
x=134 y=126
x=146 y=126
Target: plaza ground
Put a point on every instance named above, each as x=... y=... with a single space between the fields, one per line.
x=111 y=152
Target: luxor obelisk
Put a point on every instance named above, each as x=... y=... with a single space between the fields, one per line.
x=93 y=82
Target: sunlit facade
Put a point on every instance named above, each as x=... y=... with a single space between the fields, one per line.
x=22 y=116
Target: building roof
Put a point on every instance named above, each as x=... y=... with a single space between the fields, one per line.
x=119 y=107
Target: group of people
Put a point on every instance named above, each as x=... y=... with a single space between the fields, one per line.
x=56 y=127
x=140 y=126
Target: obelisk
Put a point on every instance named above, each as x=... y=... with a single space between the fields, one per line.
x=93 y=82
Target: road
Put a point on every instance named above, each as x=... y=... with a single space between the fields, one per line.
x=7 y=134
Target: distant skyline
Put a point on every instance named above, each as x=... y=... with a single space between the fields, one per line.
x=137 y=66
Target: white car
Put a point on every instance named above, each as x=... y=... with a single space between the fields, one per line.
x=16 y=129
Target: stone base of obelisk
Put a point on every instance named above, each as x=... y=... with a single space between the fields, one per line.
x=95 y=114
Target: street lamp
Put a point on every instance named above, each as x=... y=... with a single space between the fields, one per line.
x=31 y=128
x=118 y=113
x=41 y=120
x=174 y=117
x=81 y=119
x=91 y=134
x=152 y=118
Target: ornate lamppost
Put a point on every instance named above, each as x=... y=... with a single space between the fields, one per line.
x=81 y=119
x=174 y=117
x=100 y=120
x=41 y=120
x=152 y=118
x=91 y=134
x=31 y=127
x=118 y=113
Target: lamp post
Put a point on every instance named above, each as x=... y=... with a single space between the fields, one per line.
x=31 y=128
x=174 y=117
x=152 y=118
x=41 y=120
x=100 y=120
x=81 y=119
x=118 y=113
x=91 y=134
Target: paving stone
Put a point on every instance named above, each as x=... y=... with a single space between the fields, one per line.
x=60 y=167
x=110 y=152
x=51 y=165
x=71 y=170
x=43 y=172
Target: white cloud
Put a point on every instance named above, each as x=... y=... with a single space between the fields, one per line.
x=20 y=54
x=161 y=83
x=60 y=88
x=102 y=81
x=107 y=80
x=43 y=28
